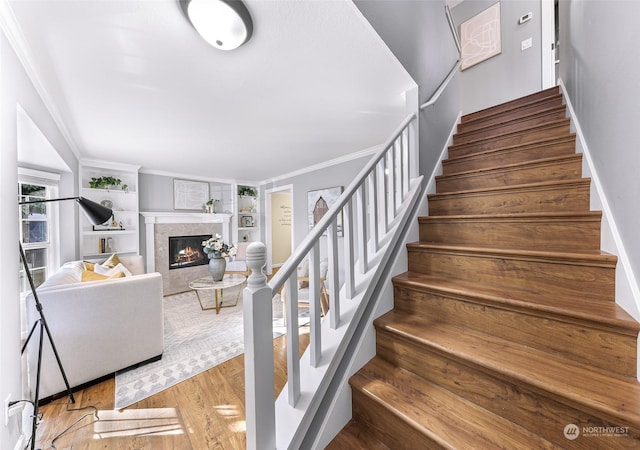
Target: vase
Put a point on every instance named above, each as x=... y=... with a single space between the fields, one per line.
x=217 y=266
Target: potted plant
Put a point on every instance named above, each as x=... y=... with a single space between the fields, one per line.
x=107 y=182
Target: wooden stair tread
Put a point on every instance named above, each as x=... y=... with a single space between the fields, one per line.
x=588 y=258
x=566 y=381
x=420 y=403
x=511 y=104
x=510 y=167
x=533 y=144
x=528 y=186
x=354 y=436
x=499 y=116
x=514 y=120
x=603 y=315
x=517 y=217
x=521 y=131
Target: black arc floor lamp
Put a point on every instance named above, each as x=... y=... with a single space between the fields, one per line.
x=96 y=214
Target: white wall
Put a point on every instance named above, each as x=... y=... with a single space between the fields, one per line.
x=16 y=88
x=418 y=34
x=511 y=74
x=601 y=73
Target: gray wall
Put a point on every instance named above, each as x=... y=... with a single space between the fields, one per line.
x=601 y=72
x=514 y=72
x=418 y=34
x=336 y=175
x=15 y=87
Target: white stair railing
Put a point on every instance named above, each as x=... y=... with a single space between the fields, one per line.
x=368 y=215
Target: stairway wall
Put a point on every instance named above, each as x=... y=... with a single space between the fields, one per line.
x=600 y=79
x=627 y=293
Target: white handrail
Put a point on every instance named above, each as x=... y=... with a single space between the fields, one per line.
x=436 y=95
x=384 y=190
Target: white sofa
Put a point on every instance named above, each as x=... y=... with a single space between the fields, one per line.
x=98 y=327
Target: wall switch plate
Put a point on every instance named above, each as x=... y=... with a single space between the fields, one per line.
x=527 y=43
x=525 y=18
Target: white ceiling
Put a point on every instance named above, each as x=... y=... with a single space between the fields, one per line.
x=131 y=81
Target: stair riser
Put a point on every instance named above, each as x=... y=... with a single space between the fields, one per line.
x=525 y=137
x=387 y=427
x=554 y=278
x=549 y=235
x=510 y=126
x=514 y=155
x=535 y=410
x=561 y=198
x=567 y=169
x=605 y=349
x=509 y=106
x=551 y=102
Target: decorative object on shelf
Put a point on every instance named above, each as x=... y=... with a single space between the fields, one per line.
x=190 y=194
x=247 y=191
x=210 y=206
x=224 y=24
x=110 y=225
x=319 y=202
x=107 y=203
x=96 y=214
x=247 y=221
x=217 y=250
x=107 y=182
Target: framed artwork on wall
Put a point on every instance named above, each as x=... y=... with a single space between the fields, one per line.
x=319 y=202
x=480 y=37
x=190 y=194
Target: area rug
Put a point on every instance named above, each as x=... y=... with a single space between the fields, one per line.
x=194 y=341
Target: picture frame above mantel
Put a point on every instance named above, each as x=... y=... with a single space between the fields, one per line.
x=190 y=195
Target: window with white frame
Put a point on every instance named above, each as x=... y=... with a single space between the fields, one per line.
x=38 y=224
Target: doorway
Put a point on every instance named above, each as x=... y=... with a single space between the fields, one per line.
x=549 y=20
x=279 y=233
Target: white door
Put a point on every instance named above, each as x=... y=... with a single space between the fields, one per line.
x=548 y=21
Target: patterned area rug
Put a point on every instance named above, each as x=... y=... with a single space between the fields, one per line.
x=194 y=341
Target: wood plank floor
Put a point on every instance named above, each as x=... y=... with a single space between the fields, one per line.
x=203 y=412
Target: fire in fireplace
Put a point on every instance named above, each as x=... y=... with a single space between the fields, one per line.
x=187 y=251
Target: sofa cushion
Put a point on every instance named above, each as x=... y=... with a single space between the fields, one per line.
x=70 y=272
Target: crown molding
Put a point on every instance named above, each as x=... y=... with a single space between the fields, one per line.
x=11 y=28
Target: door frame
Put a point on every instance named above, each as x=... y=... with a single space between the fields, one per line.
x=548 y=40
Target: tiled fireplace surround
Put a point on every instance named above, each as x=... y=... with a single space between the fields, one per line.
x=160 y=225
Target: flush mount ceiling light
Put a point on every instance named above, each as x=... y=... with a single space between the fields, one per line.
x=225 y=24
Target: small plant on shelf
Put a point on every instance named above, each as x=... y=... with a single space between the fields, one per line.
x=246 y=191
x=107 y=182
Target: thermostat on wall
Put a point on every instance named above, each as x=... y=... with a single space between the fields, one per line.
x=525 y=18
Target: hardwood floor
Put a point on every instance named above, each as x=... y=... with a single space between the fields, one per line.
x=202 y=412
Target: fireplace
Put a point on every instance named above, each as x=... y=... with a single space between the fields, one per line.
x=187 y=251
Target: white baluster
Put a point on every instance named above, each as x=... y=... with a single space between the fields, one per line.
x=315 y=343
x=373 y=210
x=334 y=283
x=348 y=250
x=258 y=354
x=293 y=340
x=362 y=229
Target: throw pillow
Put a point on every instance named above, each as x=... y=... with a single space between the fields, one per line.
x=102 y=270
x=112 y=261
x=88 y=275
x=89 y=266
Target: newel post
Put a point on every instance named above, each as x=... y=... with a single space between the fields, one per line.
x=258 y=354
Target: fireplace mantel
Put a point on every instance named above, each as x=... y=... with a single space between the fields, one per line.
x=152 y=218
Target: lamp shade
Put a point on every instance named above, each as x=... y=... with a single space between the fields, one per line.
x=225 y=24
x=95 y=212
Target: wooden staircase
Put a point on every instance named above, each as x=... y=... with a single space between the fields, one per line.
x=505 y=333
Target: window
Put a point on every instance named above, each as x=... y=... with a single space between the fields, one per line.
x=38 y=223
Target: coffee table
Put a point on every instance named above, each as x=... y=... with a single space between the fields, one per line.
x=218 y=287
